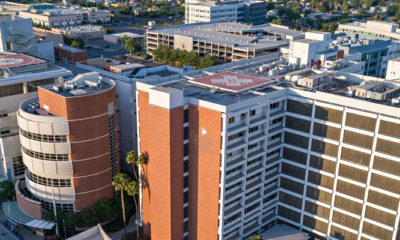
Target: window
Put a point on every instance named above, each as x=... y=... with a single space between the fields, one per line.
x=295 y=156
x=289 y=214
x=290 y=200
x=274 y=105
x=296 y=140
x=277 y=120
x=353 y=173
x=231 y=120
x=253 y=129
x=346 y=220
x=186 y=149
x=18 y=166
x=292 y=185
x=3 y=114
x=360 y=122
x=186 y=115
x=252 y=112
x=242 y=116
x=325 y=131
x=185 y=133
x=4 y=131
x=235 y=136
x=316 y=209
x=293 y=171
x=357 y=139
x=319 y=195
x=298 y=124
x=355 y=156
x=348 y=205
x=299 y=107
x=383 y=200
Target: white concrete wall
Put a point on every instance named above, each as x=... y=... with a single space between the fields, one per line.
x=393 y=70
x=50 y=169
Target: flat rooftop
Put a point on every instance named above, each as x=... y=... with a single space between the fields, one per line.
x=82 y=84
x=83 y=29
x=284 y=232
x=232 y=34
x=128 y=34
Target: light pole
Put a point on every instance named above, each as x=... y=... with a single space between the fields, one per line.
x=54 y=205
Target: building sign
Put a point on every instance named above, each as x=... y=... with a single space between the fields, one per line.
x=202 y=142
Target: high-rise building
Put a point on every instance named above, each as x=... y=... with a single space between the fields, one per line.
x=20 y=76
x=231 y=155
x=69 y=138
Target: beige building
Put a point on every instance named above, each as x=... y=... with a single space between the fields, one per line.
x=67 y=17
x=86 y=32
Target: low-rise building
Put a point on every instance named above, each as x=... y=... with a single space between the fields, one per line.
x=86 y=32
x=115 y=37
x=69 y=54
x=372 y=30
x=63 y=17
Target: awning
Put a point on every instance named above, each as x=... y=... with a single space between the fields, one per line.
x=14 y=213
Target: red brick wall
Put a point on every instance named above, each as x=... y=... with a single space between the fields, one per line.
x=161 y=138
x=87 y=118
x=204 y=174
x=71 y=57
x=31 y=207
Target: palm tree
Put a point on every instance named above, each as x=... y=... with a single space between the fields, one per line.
x=134 y=159
x=132 y=189
x=120 y=182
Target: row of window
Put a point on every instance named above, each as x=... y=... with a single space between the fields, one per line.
x=45 y=156
x=53 y=182
x=44 y=138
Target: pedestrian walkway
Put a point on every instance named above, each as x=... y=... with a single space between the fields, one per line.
x=131 y=227
x=6 y=234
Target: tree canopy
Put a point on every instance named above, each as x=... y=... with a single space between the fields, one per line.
x=181 y=58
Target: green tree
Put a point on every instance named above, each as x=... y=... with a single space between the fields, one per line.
x=132 y=189
x=129 y=45
x=123 y=38
x=7 y=190
x=119 y=182
x=75 y=44
x=256 y=237
x=208 y=61
x=277 y=21
x=333 y=26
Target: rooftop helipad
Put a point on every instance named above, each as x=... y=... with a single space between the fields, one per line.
x=230 y=81
x=18 y=60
